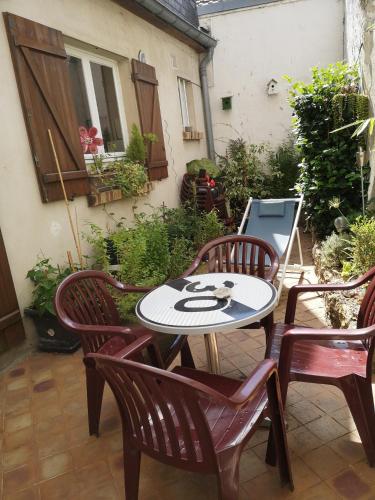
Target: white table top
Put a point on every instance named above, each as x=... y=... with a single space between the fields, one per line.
x=187 y=306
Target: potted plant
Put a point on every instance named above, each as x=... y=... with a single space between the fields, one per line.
x=52 y=337
x=126 y=173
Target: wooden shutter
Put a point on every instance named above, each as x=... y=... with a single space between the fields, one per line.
x=146 y=88
x=11 y=326
x=41 y=68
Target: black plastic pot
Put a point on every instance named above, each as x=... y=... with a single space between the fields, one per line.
x=52 y=336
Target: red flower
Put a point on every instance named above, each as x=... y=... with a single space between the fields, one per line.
x=88 y=140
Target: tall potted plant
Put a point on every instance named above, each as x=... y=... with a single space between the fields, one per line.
x=52 y=337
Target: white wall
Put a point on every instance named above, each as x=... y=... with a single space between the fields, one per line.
x=259 y=43
x=360 y=49
x=31 y=228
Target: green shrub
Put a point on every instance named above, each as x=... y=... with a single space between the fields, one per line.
x=362 y=245
x=157 y=247
x=283 y=166
x=334 y=250
x=243 y=174
x=328 y=167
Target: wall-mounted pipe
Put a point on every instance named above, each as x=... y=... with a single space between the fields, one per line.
x=206 y=102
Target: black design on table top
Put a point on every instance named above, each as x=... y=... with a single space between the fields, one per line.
x=178 y=284
x=181 y=304
x=192 y=288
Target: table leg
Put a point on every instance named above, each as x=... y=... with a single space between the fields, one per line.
x=212 y=353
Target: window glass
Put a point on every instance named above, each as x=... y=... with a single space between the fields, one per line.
x=79 y=92
x=183 y=102
x=106 y=101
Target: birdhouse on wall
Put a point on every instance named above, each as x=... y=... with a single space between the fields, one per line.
x=273 y=87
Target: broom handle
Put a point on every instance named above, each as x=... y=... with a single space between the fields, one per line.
x=65 y=198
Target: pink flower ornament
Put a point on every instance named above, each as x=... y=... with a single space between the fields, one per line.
x=89 y=142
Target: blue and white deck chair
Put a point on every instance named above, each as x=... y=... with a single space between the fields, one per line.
x=275 y=221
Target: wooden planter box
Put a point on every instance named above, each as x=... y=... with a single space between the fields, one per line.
x=103 y=192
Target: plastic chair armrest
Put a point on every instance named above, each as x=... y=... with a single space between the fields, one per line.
x=257 y=379
x=320 y=287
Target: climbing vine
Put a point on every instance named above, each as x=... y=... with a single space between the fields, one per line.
x=328 y=166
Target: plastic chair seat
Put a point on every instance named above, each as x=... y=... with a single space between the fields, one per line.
x=331 y=358
x=228 y=425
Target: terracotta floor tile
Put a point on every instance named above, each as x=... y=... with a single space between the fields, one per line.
x=22 y=437
x=324 y=462
x=83 y=454
x=27 y=494
x=94 y=475
x=251 y=466
x=344 y=417
x=18 y=383
x=20 y=371
x=349 y=447
x=350 y=485
x=40 y=375
x=20 y=478
x=16 y=400
x=18 y=456
x=320 y=492
x=329 y=402
x=326 y=428
x=366 y=472
x=107 y=491
x=266 y=486
x=302 y=440
x=55 y=465
x=305 y=411
x=65 y=487
x=50 y=444
x=47 y=426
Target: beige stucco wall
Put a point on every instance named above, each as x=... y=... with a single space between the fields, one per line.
x=260 y=43
x=360 y=48
x=31 y=228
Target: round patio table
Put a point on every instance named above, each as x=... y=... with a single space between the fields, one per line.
x=193 y=306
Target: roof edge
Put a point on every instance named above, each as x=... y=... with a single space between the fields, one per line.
x=164 y=18
x=226 y=5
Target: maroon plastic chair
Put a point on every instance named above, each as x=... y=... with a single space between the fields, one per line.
x=85 y=304
x=239 y=254
x=332 y=356
x=191 y=419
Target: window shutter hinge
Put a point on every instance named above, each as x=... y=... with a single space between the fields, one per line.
x=36 y=159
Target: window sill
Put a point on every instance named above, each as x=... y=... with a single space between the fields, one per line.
x=194 y=135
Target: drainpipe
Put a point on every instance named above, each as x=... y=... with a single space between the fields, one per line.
x=206 y=102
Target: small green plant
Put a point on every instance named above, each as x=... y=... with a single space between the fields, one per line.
x=136 y=152
x=194 y=166
x=128 y=176
x=334 y=251
x=243 y=174
x=46 y=279
x=362 y=246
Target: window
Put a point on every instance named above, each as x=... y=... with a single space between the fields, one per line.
x=97 y=97
x=182 y=89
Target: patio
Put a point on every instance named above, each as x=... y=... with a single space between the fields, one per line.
x=47 y=453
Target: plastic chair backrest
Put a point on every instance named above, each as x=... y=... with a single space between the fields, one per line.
x=162 y=412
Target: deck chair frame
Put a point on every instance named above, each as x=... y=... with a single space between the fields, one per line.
x=295 y=231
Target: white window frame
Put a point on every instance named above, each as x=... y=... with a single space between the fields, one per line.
x=183 y=101
x=86 y=58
